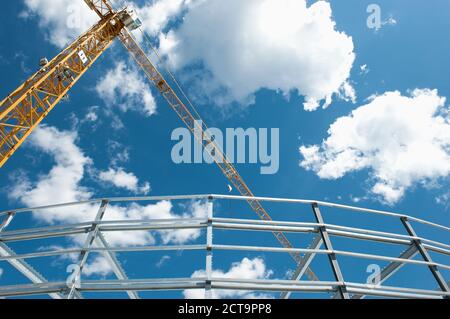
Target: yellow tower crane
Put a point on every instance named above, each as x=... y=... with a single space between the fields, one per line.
x=26 y=107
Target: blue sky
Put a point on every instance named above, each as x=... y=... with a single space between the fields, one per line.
x=120 y=139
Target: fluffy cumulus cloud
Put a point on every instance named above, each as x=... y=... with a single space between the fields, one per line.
x=121 y=179
x=402 y=140
x=245 y=269
x=124 y=87
x=195 y=209
x=62 y=21
x=63 y=183
x=282 y=45
x=156 y=15
x=98 y=267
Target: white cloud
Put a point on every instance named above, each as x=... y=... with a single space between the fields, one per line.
x=62 y=21
x=92 y=115
x=402 y=140
x=281 y=45
x=364 y=69
x=126 y=88
x=246 y=269
x=63 y=184
x=155 y=16
x=121 y=179
x=118 y=153
x=195 y=209
x=1 y=272
x=391 y=21
x=98 y=267
x=347 y=92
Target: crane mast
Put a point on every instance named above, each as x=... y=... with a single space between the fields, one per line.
x=27 y=106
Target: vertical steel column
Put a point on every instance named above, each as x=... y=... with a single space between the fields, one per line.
x=425 y=255
x=87 y=245
x=332 y=257
x=209 y=249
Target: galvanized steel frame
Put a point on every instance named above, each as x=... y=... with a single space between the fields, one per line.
x=339 y=288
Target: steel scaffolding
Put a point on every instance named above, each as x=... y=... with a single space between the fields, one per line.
x=322 y=244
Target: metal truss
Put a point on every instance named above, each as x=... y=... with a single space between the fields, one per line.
x=101 y=7
x=23 y=110
x=197 y=127
x=322 y=244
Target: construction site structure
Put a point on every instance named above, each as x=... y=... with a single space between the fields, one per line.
x=24 y=109
x=397 y=279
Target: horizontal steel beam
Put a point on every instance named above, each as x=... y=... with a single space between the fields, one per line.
x=70 y=230
x=327 y=252
x=222 y=284
x=51 y=289
x=230 y=224
x=102 y=250
x=131 y=287
x=221 y=247
x=229 y=197
x=389 y=294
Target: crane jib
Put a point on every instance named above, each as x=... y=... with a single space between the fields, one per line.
x=24 y=109
x=191 y=121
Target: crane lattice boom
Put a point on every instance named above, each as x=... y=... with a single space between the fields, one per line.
x=26 y=107
x=198 y=130
x=23 y=110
